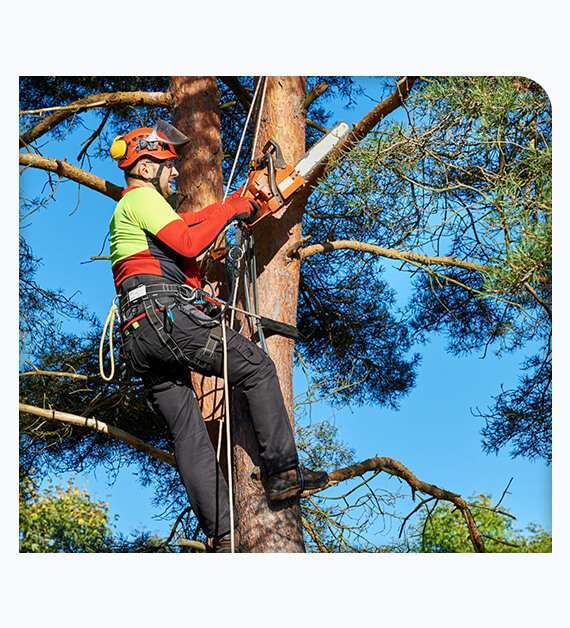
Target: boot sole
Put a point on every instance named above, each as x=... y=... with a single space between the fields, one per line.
x=294 y=492
x=289 y=493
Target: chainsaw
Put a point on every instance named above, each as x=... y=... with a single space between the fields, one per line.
x=272 y=182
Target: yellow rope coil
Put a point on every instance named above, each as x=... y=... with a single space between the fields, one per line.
x=109 y=324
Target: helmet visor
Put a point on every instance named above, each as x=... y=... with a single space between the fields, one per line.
x=166 y=133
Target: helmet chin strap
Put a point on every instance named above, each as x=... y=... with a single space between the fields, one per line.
x=154 y=180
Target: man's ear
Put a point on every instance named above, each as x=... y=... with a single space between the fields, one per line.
x=144 y=169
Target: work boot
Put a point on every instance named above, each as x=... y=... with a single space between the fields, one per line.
x=220 y=544
x=292 y=483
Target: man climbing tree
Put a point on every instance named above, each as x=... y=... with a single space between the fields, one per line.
x=153 y=251
x=386 y=199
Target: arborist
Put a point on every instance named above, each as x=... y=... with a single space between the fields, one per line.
x=167 y=332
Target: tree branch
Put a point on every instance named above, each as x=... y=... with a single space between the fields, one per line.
x=540 y=301
x=393 y=467
x=317 y=91
x=194 y=545
x=362 y=128
x=54 y=374
x=103 y=428
x=388 y=465
x=64 y=169
x=238 y=89
x=319 y=127
x=295 y=251
x=93 y=136
x=107 y=99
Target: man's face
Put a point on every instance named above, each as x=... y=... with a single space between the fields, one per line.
x=167 y=177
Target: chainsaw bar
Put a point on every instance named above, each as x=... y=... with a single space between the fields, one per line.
x=313 y=157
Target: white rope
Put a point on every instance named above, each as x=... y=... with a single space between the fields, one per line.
x=228 y=435
x=254 y=145
x=251 y=107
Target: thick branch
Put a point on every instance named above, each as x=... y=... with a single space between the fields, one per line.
x=64 y=169
x=103 y=428
x=362 y=128
x=409 y=256
x=110 y=99
x=393 y=467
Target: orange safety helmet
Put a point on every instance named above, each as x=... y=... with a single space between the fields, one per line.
x=158 y=143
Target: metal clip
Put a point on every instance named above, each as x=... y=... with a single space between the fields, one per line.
x=187 y=293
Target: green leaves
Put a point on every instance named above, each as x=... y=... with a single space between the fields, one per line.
x=62 y=520
x=444 y=531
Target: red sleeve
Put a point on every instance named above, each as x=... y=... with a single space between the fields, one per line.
x=195 y=232
x=193 y=218
x=239 y=205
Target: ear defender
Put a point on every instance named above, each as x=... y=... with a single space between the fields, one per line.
x=118 y=148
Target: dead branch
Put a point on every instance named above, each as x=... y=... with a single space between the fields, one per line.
x=195 y=545
x=418 y=507
x=175 y=526
x=53 y=374
x=362 y=128
x=103 y=428
x=311 y=532
x=301 y=253
x=93 y=136
x=64 y=169
x=395 y=468
x=110 y=99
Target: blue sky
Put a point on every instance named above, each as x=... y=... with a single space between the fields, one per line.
x=433 y=432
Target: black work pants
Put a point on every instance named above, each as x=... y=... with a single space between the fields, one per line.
x=170 y=393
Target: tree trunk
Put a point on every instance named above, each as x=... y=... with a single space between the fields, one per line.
x=200 y=184
x=261 y=527
x=264 y=528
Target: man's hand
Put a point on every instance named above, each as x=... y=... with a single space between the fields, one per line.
x=245 y=208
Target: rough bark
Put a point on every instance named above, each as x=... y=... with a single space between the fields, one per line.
x=264 y=528
x=196 y=114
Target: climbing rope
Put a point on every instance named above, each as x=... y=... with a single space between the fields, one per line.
x=109 y=324
x=228 y=435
